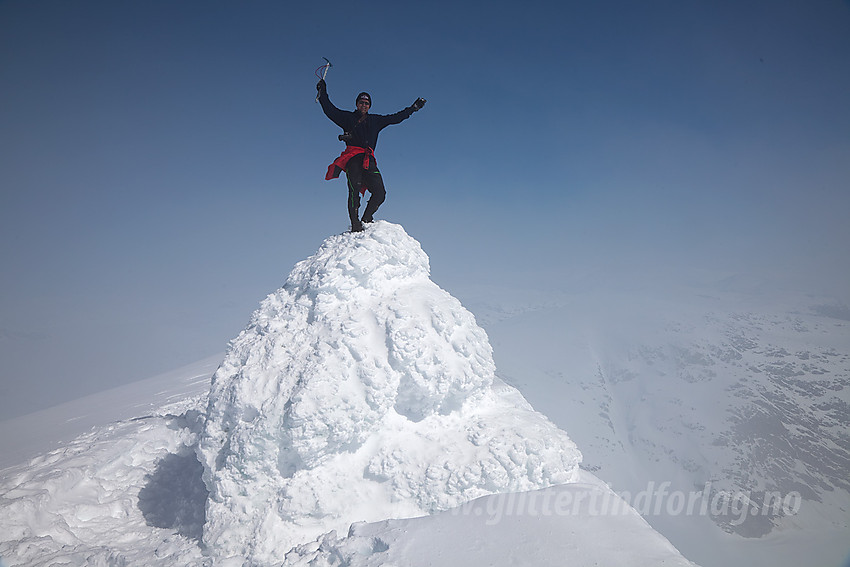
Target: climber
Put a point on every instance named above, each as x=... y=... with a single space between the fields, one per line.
x=360 y=134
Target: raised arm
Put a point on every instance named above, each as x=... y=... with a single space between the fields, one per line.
x=336 y=115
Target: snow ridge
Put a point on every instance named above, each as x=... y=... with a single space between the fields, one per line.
x=361 y=391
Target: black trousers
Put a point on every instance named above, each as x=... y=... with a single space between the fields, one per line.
x=358 y=178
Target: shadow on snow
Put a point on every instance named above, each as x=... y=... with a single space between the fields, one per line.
x=175 y=496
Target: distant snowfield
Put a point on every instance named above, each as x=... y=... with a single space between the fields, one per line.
x=40 y=432
x=644 y=382
x=726 y=386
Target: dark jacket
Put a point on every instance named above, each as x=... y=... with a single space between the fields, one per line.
x=364 y=133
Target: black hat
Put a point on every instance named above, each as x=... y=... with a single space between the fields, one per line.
x=364 y=96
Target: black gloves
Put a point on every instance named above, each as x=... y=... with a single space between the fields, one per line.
x=321 y=86
x=418 y=103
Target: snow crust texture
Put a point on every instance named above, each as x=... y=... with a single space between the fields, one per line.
x=128 y=493
x=361 y=391
x=498 y=530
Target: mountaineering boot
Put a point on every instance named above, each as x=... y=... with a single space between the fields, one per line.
x=375 y=200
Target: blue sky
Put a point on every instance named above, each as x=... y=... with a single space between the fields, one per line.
x=162 y=163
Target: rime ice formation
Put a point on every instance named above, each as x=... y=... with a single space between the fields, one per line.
x=361 y=391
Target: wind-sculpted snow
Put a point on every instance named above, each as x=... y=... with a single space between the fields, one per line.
x=361 y=391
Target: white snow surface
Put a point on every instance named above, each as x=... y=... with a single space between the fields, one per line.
x=361 y=391
x=410 y=426
x=553 y=526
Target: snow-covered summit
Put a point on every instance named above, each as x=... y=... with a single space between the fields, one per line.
x=361 y=391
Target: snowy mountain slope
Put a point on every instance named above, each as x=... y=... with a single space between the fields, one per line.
x=733 y=397
x=125 y=493
x=130 y=493
x=306 y=424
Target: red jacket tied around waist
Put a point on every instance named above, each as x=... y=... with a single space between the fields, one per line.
x=340 y=163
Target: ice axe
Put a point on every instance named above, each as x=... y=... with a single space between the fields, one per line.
x=324 y=71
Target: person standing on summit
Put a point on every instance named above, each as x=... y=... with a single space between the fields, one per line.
x=358 y=159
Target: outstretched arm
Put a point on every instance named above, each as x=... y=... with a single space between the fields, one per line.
x=404 y=114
